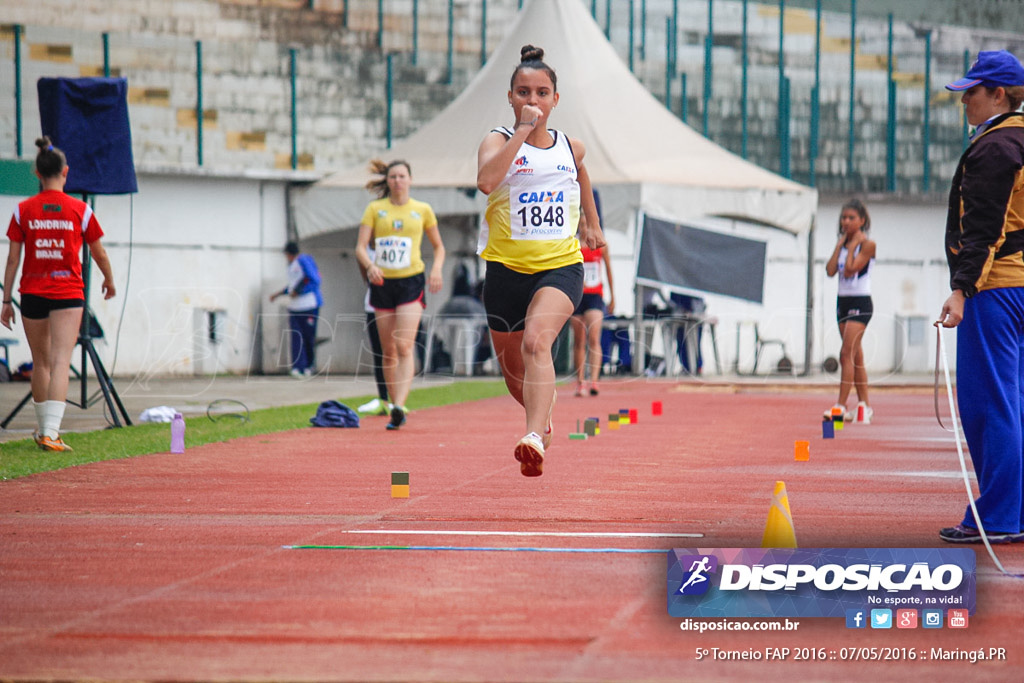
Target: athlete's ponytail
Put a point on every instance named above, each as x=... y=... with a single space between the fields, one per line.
x=531 y=57
x=379 y=185
x=50 y=161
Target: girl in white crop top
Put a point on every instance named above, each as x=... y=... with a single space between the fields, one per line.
x=852 y=260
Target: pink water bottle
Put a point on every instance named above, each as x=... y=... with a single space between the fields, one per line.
x=178 y=434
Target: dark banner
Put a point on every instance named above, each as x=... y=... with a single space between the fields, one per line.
x=683 y=256
x=87 y=118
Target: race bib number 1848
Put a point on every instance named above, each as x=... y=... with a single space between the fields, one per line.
x=539 y=215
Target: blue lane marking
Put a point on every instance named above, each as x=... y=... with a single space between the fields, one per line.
x=475 y=548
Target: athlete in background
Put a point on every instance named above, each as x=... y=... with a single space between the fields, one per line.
x=396 y=224
x=852 y=260
x=50 y=229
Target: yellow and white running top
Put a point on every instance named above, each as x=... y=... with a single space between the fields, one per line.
x=398 y=235
x=531 y=218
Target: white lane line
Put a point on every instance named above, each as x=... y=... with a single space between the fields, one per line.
x=561 y=534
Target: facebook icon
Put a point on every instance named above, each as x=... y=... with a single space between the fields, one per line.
x=856 y=618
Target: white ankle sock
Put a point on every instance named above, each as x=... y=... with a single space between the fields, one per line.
x=54 y=414
x=40 y=408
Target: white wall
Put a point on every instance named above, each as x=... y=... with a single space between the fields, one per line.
x=190 y=243
x=184 y=244
x=909 y=280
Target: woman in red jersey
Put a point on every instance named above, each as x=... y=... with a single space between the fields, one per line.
x=50 y=228
x=587 y=318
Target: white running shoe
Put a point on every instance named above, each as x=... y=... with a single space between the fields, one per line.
x=530 y=454
x=370 y=407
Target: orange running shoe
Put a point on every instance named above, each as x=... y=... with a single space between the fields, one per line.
x=55 y=445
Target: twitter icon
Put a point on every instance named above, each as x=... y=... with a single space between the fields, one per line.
x=881 y=618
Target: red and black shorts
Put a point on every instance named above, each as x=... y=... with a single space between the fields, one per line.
x=398 y=291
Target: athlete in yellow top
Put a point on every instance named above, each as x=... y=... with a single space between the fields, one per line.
x=395 y=223
x=536 y=185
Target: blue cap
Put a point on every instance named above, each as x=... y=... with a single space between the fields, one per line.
x=992 y=69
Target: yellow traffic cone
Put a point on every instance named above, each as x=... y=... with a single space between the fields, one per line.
x=778 y=531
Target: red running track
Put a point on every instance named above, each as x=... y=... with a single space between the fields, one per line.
x=174 y=566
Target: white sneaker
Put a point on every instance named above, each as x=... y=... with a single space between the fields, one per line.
x=864 y=413
x=530 y=454
x=370 y=407
x=296 y=373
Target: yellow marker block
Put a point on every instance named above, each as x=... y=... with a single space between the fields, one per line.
x=838 y=418
x=399 y=490
x=613 y=425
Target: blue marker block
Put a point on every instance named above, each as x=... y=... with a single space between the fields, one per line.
x=828 y=429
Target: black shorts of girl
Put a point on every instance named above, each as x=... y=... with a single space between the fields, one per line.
x=38 y=307
x=856 y=309
x=507 y=293
x=589 y=302
x=397 y=291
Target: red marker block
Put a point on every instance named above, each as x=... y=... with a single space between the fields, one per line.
x=655 y=407
x=633 y=415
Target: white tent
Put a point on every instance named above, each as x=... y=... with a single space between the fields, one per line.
x=639 y=154
x=641 y=157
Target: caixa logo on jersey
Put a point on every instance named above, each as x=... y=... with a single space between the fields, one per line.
x=816 y=582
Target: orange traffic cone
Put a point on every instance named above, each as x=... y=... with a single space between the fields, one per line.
x=778 y=531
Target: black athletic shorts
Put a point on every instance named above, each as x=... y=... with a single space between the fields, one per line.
x=397 y=291
x=507 y=293
x=855 y=308
x=38 y=307
x=589 y=302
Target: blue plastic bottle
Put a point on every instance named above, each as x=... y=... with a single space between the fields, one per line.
x=178 y=434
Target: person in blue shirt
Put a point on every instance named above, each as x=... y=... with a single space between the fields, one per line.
x=304 y=304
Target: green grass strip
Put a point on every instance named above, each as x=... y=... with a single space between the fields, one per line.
x=22 y=458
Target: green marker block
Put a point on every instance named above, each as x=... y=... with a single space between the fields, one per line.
x=590 y=427
x=577 y=436
x=399 y=478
